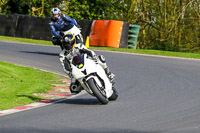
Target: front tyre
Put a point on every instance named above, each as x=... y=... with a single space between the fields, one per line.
x=114 y=96
x=97 y=91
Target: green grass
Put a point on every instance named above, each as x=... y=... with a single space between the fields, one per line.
x=17 y=84
x=24 y=40
x=139 y=51
x=152 y=52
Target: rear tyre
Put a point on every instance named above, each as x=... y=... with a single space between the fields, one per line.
x=114 y=96
x=97 y=91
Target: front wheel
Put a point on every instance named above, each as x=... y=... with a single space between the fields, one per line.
x=97 y=91
x=114 y=96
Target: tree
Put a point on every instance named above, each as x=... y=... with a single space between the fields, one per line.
x=172 y=25
x=29 y=7
x=90 y=9
x=165 y=24
x=2 y=5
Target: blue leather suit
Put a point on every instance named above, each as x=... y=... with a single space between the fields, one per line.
x=62 y=23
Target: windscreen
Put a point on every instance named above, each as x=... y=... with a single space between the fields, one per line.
x=78 y=61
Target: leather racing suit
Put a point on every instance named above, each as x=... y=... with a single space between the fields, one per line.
x=57 y=25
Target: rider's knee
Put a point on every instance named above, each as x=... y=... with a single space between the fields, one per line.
x=102 y=61
x=56 y=41
x=67 y=65
x=102 y=58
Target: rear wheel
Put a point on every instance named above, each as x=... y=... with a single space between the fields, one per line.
x=100 y=94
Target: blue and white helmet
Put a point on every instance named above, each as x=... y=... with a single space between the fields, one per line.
x=55 y=10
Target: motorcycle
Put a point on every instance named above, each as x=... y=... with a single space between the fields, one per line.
x=92 y=78
x=72 y=29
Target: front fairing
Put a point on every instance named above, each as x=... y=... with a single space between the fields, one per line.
x=83 y=66
x=71 y=29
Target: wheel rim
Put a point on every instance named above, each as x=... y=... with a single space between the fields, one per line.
x=102 y=91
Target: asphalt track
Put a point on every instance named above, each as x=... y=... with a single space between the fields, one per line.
x=156 y=95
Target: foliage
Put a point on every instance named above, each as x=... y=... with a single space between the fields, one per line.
x=29 y=7
x=2 y=5
x=90 y=9
x=167 y=24
x=172 y=25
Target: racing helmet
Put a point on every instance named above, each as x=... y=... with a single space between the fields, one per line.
x=69 y=42
x=55 y=10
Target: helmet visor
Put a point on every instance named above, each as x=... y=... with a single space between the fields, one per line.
x=69 y=42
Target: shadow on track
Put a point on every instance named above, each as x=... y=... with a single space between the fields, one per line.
x=81 y=101
x=41 y=53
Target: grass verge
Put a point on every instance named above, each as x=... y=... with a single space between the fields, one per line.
x=139 y=51
x=153 y=52
x=17 y=84
x=24 y=40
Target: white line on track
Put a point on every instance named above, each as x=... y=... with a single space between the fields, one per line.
x=37 y=105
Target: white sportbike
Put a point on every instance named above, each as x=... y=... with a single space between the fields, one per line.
x=72 y=29
x=92 y=78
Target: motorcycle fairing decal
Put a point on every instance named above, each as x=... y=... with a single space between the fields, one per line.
x=80 y=66
x=84 y=72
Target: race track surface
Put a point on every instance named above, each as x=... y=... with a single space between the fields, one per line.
x=156 y=95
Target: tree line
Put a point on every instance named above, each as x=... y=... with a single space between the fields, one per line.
x=172 y=25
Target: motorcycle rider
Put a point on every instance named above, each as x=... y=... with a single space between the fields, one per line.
x=73 y=47
x=60 y=22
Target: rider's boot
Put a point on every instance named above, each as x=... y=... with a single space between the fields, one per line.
x=75 y=87
x=110 y=75
x=102 y=62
